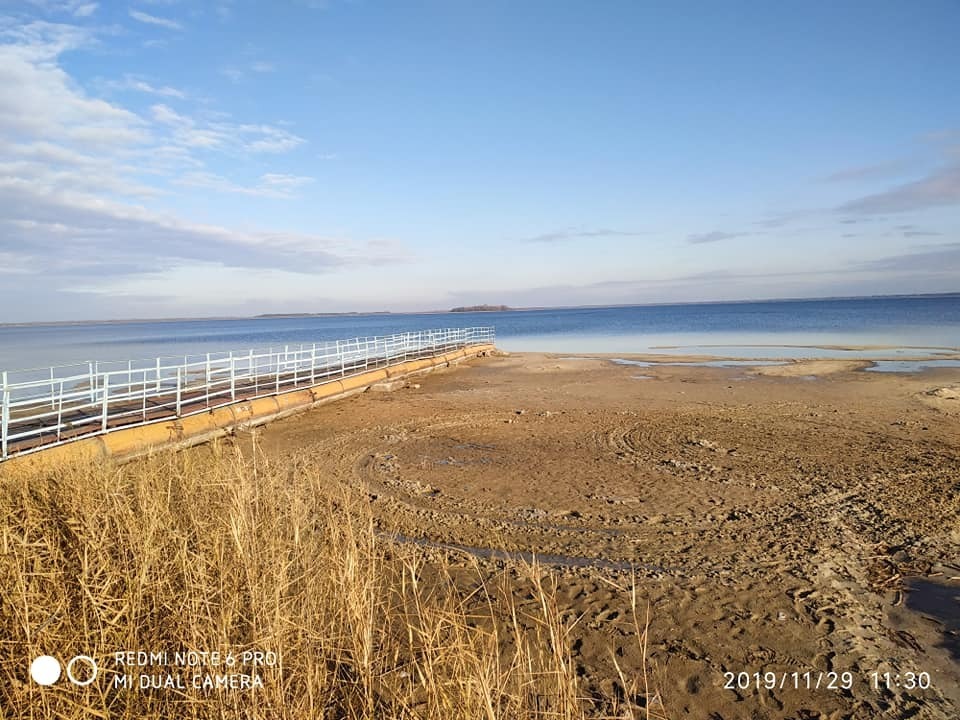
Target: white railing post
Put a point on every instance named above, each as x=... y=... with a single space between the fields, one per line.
x=206 y=382
x=233 y=379
x=158 y=376
x=313 y=365
x=4 y=416
x=60 y=412
x=53 y=400
x=93 y=388
x=253 y=369
x=179 y=391
x=106 y=401
x=342 y=360
x=276 y=379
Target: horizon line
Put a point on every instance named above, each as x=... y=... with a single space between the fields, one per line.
x=278 y=316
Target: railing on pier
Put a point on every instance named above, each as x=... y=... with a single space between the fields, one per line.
x=54 y=405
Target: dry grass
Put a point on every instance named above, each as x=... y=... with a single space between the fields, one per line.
x=168 y=554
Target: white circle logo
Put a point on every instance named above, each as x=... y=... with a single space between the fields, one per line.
x=92 y=672
x=45 y=670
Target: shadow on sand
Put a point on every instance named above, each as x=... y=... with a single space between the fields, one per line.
x=941 y=602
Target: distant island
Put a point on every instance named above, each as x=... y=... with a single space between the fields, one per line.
x=481 y=308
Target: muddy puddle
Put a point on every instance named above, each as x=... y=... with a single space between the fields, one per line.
x=521 y=556
x=908 y=366
x=700 y=363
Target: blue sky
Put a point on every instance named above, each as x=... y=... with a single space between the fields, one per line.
x=162 y=158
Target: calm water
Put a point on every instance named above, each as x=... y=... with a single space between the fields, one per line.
x=753 y=330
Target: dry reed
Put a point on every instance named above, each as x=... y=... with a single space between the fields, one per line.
x=234 y=554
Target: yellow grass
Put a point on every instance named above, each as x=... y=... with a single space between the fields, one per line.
x=232 y=555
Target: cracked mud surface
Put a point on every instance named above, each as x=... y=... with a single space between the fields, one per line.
x=774 y=523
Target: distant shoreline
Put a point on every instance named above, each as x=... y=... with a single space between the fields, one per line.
x=468 y=310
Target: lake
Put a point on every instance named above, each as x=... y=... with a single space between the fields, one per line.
x=923 y=325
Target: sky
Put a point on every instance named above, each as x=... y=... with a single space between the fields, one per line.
x=186 y=159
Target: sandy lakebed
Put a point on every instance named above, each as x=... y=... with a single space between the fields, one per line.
x=794 y=530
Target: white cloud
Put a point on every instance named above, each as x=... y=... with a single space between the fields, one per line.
x=237 y=74
x=182 y=289
x=154 y=20
x=714 y=236
x=47 y=103
x=285 y=181
x=218 y=134
x=72 y=229
x=271 y=185
x=130 y=82
x=940 y=188
x=232 y=74
x=581 y=234
x=271 y=140
x=86 y=176
x=224 y=12
x=876 y=171
x=168 y=116
x=14 y=264
x=77 y=8
x=76 y=172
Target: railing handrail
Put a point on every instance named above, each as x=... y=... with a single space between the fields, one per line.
x=237 y=352
x=41 y=411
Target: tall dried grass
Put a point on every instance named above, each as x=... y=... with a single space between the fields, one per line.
x=173 y=553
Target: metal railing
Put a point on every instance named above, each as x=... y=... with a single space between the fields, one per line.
x=50 y=406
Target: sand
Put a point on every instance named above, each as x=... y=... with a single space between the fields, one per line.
x=782 y=519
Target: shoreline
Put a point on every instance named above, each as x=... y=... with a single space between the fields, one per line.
x=947 y=353
x=775 y=367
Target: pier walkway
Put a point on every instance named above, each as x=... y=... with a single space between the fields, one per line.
x=52 y=406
